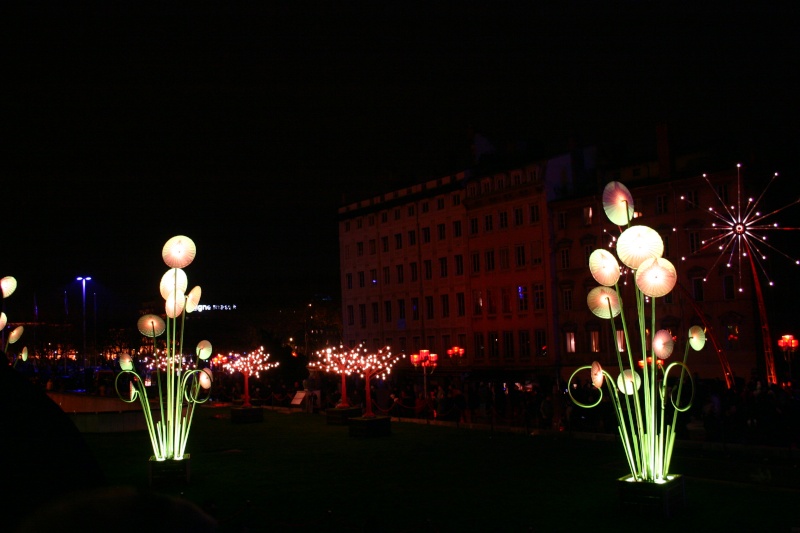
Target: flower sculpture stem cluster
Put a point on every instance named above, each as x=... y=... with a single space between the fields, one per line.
x=181 y=384
x=8 y=285
x=646 y=426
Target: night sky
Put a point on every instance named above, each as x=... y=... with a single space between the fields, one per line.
x=246 y=128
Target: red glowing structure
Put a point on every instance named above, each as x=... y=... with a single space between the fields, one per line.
x=249 y=364
x=378 y=364
x=788 y=344
x=338 y=361
x=428 y=361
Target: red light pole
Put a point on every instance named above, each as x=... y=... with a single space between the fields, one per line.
x=789 y=345
x=456 y=351
x=426 y=360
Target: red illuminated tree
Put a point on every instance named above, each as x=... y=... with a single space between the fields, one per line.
x=371 y=365
x=249 y=364
x=338 y=361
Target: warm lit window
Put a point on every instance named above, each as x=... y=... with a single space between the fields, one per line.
x=570 y=340
x=594 y=341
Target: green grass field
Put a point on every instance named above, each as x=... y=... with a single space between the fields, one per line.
x=294 y=472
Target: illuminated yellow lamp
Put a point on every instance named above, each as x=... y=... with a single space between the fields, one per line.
x=597 y=375
x=174 y=278
x=24 y=354
x=175 y=303
x=618 y=203
x=16 y=333
x=193 y=299
x=126 y=362
x=151 y=325
x=3 y=320
x=603 y=302
x=8 y=285
x=179 y=252
x=663 y=344
x=697 y=338
x=206 y=377
x=628 y=381
x=604 y=267
x=638 y=243
x=203 y=349
x=656 y=277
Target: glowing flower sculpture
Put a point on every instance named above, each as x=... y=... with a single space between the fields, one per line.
x=640 y=401
x=181 y=384
x=252 y=363
x=377 y=364
x=8 y=285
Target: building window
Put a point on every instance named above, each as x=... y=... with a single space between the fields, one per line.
x=384 y=217
x=476 y=262
x=519 y=252
x=722 y=192
x=564 y=258
x=494 y=345
x=360 y=249
x=587 y=216
x=349 y=278
x=426 y=235
x=661 y=204
x=424 y=207
x=538 y=296
x=362 y=314
x=359 y=223
x=351 y=316
x=398 y=241
x=480 y=346
x=428 y=266
x=414 y=308
x=347 y=226
x=414 y=271
x=445 y=306
x=440 y=203
x=489 y=258
x=570 y=340
x=397 y=214
x=728 y=289
x=540 y=340
x=697 y=289
x=461 y=304
x=518 y=216
x=473 y=226
x=440 y=229
x=536 y=253
x=566 y=299
x=373 y=276
x=503 y=258
x=385 y=244
x=524 y=344
x=667 y=252
x=387 y=275
x=621 y=340
x=694 y=242
x=477 y=302
x=456 y=228
x=459 y=259
x=491 y=303
x=690 y=198
x=372 y=248
x=361 y=279
x=443 y=267
x=456 y=199
x=401 y=309
x=594 y=341
x=387 y=310
x=522 y=298
x=502 y=220
x=505 y=299
x=429 y=307
x=488 y=223
x=561 y=220
x=412 y=238
x=375 y=313
x=508 y=345
x=587 y=253
x=372 y=220
x=411 y=210
x=400 y=277
x=533 y=213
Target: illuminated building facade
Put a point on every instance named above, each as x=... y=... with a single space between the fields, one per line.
x=495 y=261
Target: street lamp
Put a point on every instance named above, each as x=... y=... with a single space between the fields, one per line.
x=788 y=344
x=426 y=360
x=83 y=280
x=456 y=351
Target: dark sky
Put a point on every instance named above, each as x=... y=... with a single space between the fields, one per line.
x=245 y=128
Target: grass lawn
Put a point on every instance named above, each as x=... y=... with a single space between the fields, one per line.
x=294 y=472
